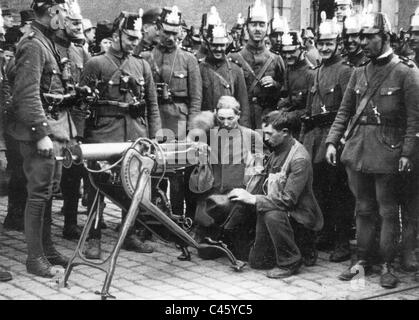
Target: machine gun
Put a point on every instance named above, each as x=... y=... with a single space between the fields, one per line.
x=129 y=186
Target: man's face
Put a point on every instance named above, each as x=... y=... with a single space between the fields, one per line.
x=291 y=57
x=74 y=28
x=227 y=119
x=372 y=44
x=8 y=21
x=341 y=11
x=272 y=137
x=90 y=35
x=26 y=28
x=105 y=44
x=276 y=40
x=352 y=43
x=218 y=50
x=328 y=48
x=168 y=39
x=414 y=40
x=128 y=42
x=151 y=33
x=257 y=30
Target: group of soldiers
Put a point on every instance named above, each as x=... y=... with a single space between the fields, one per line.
x=353 y=84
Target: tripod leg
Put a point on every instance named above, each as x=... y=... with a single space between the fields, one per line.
x=137 y=198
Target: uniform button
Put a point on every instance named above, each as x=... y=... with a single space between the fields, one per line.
x=357 y=91
x=332 y=90
x=54 y=71
x=44 y=124
x=389 y=93
x=33 y=129
x=110 y=82
x=300 y=93
x=393 y=146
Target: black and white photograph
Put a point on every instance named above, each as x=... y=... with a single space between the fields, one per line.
x=209 y=155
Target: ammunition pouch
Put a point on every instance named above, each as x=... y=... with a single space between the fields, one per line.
x=115 y=109
x=262 y=102
x=53 y=103
x=373 y=120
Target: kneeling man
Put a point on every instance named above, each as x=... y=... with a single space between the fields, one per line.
x=288 y=201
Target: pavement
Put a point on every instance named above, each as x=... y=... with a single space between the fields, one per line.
x=161 y=276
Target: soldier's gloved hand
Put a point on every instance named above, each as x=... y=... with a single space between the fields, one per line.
x=331 y=154
x=3 y=160
x=45 y=147
x=405 y=165
x=267 y=82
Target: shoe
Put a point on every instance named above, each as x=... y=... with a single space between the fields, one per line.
x=93 y=250
x=354 y=270
x=132 y=243
x=340 y=254
x=388 y=280
x=56 y=258
x=5 y=276
x=284 y=272
x=408 y=261
x=72 y=232
x=40 y=266
x=310 y=257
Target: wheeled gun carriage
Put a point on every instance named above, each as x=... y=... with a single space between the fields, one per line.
x=127 y=182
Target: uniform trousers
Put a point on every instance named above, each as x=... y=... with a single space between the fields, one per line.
x=376 y=198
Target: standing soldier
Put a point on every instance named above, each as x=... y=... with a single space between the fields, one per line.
x=121 y=78
x=42 y=126
x=222 y=76
x=179 y=87
x=381 y=105
x=351 y=41
x=150 y=31
x=237 y=35
x=312 y=54
x=74 y=56
x=343 y=9
x=278 y=26
x=325 y=97
x=89 y=32
x=264 y=71
x=300 y=77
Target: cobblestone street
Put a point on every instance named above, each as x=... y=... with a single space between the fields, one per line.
x=162 y=276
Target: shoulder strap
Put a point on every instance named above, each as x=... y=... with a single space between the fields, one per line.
x=369 y=93
x=220 y=77
x=260 y=74
x=291 y=154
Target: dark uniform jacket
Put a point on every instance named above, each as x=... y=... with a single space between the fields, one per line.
x=295 y=194
x=78 y=56
x=330 y=83
x=179 y=69
x=300 y=81
x=37 y=71
x=106 y=70
x=224 y=78
x=376 y=148
x=254 y=59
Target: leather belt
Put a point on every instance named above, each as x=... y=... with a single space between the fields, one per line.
x=111 y=109
x=374 y=121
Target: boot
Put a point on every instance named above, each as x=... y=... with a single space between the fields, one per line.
x=132 y=243
x=388 y=279
x=341 y=253
x=408 y=259
x=354 y=270
x=36 y=262
x=72 y=232
x=93 y=250
x=52 y=255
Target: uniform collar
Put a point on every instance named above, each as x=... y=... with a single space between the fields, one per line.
x=384 y=58
x=215 y=62
x=61 y=39
x=166 y=50
x=46 y=31
x=335 y=59
x=256 y=49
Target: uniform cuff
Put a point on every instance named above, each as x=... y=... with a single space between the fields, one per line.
x=40 y=130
